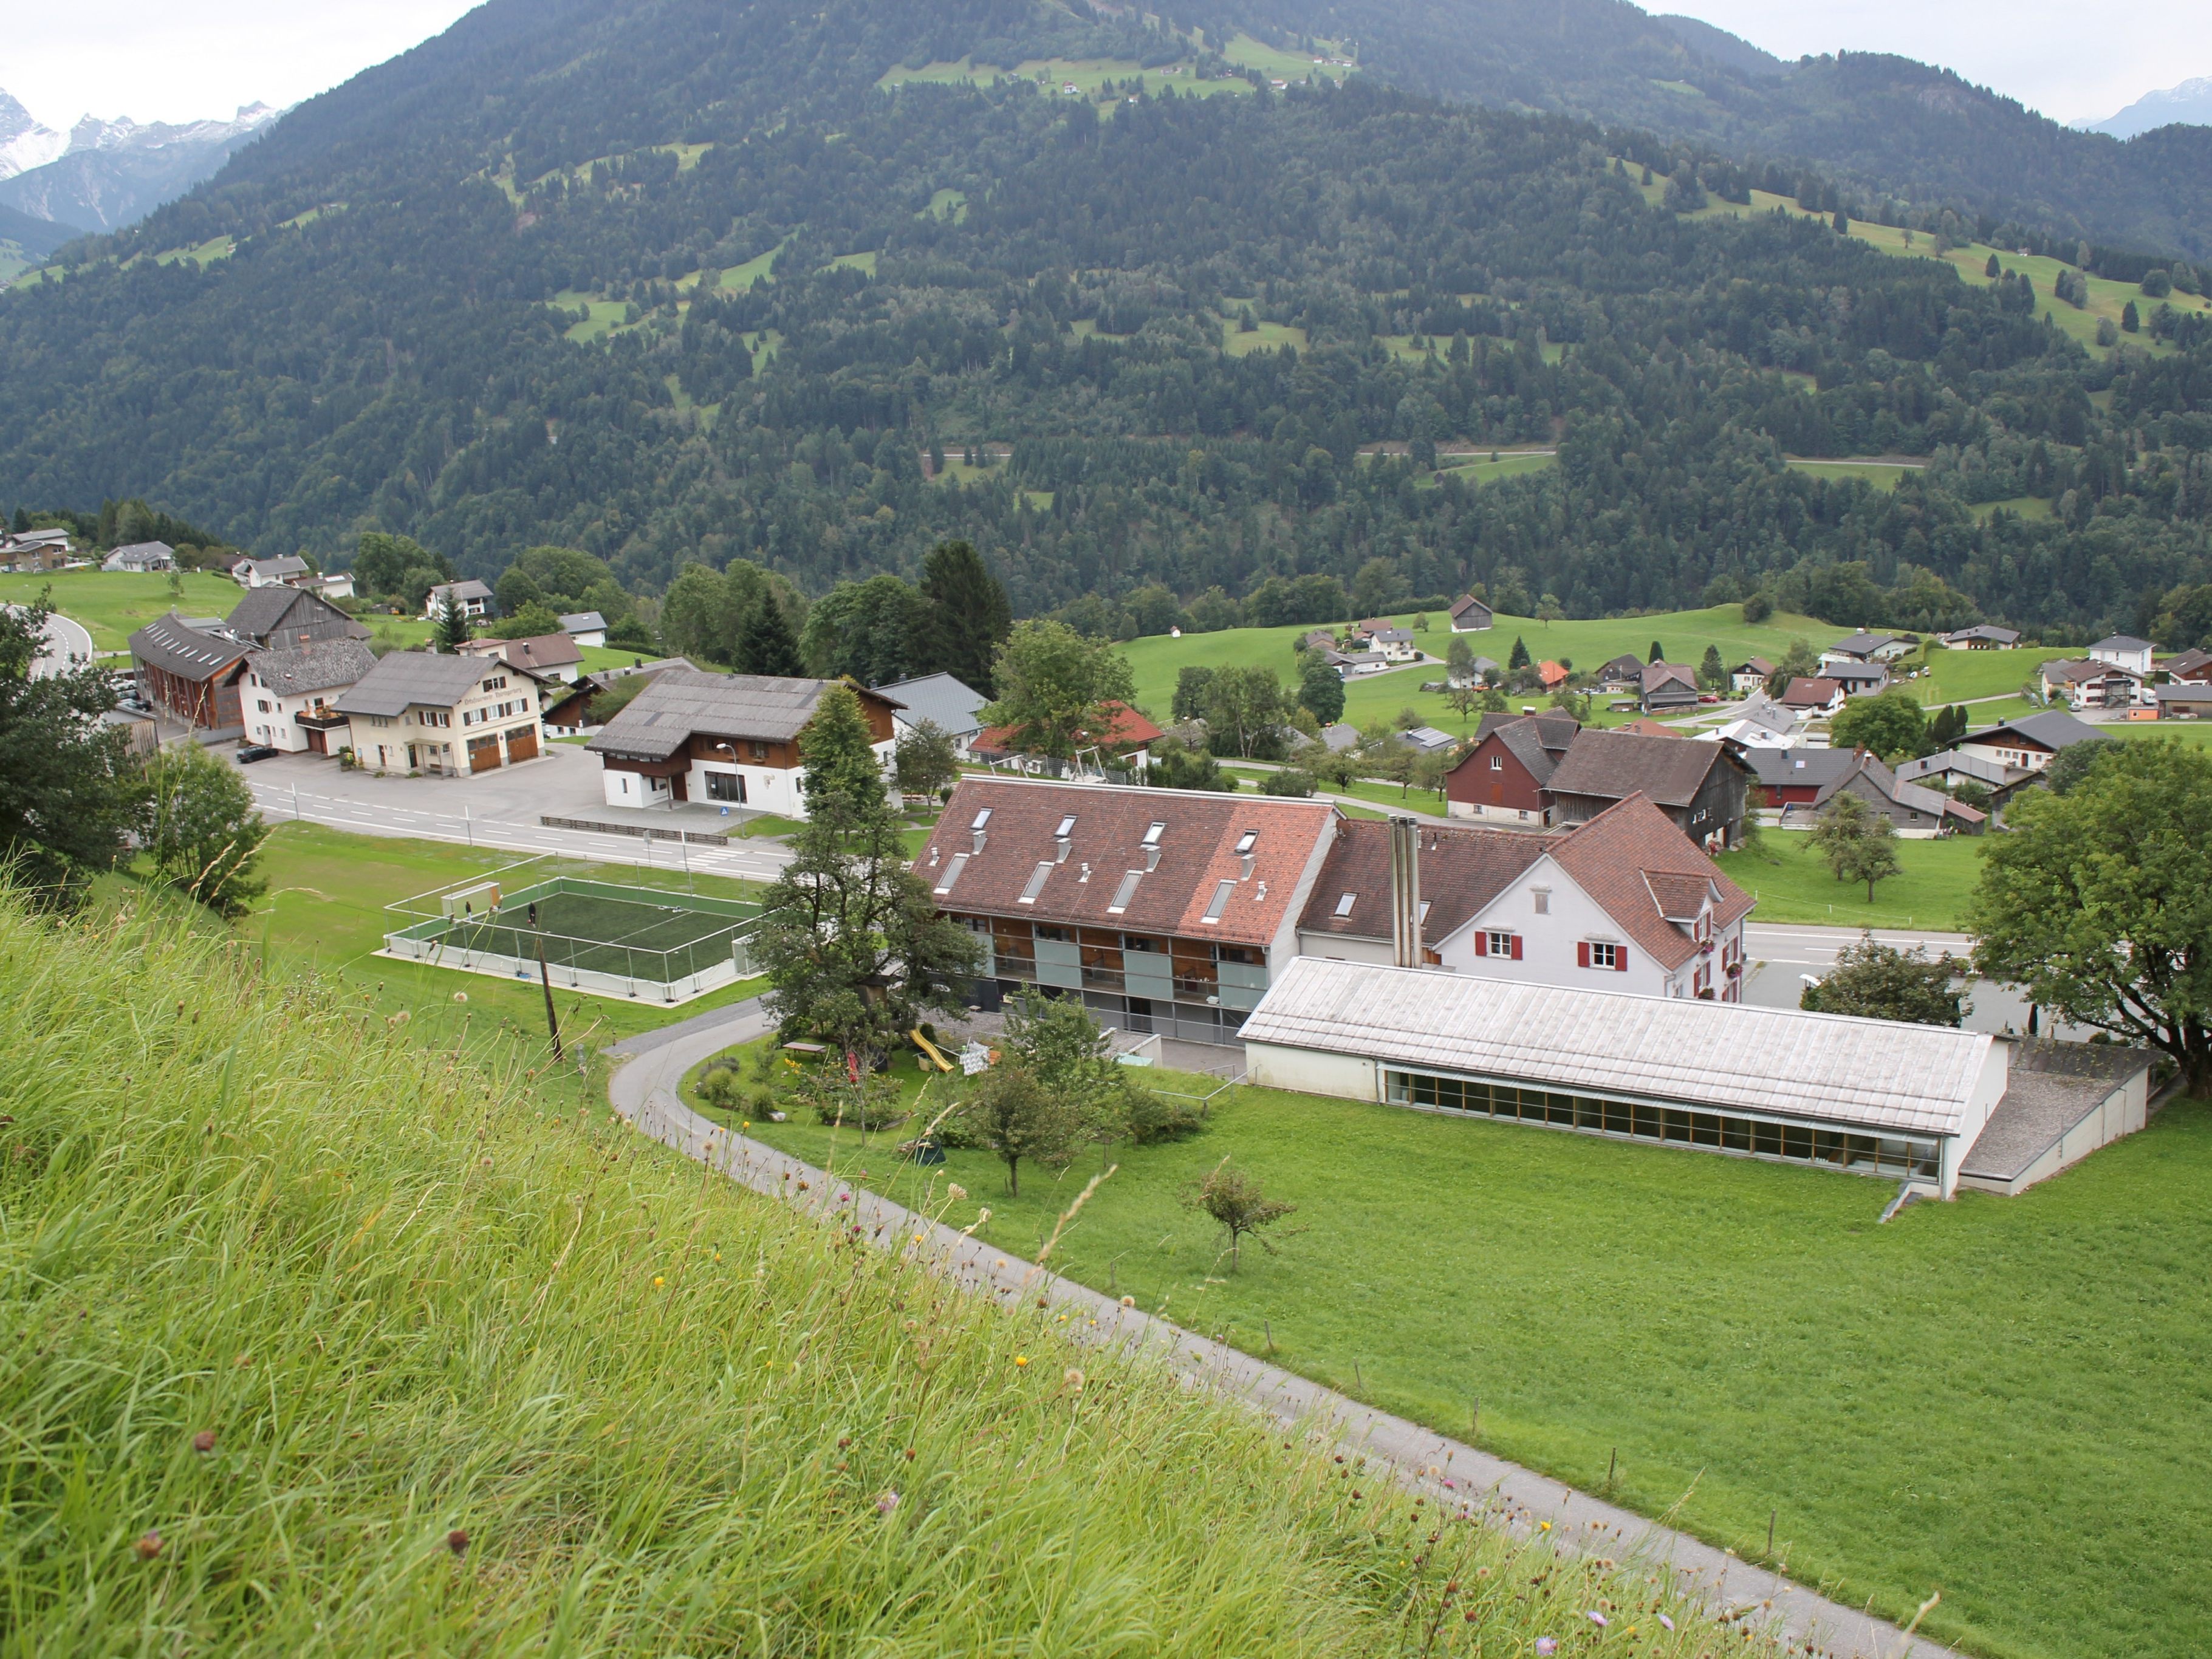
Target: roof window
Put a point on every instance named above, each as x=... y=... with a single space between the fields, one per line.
x=1125 y=892
x=952 y=872
x=1345 y=903
x=1037 y=878
x=981 y=818
x=1219 y=901
x=1067 y=828
x=1248 y=840
x=1152 y=835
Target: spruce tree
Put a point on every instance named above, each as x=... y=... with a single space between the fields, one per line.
x=765 y=643
x=1992 y=268
x=2131 y=318
x=1658 y=652
x=968 y=616
x=1520 y=657
x=854 y=946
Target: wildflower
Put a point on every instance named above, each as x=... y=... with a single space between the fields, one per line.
x=460 y=996
x=1597 y=1619
x=1544 y=1527
x=886 y=1501
x=1547 y=1644
x=148 y=1545
x=910 y=1454
x=458 y=1541
x=917 y=1238
x=203 y=1441
x=1074 y=1380
x=1021 y=1359
x=955 y=1191
x=744 y=1128
x=657 y=1281
x=1128 y=1301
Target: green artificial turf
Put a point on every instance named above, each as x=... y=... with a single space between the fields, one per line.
x=1997 y=1397
x=664 y=937
x=1792 y=883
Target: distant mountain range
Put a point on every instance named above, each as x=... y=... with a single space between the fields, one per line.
x=2189 y=103
x=102 y=175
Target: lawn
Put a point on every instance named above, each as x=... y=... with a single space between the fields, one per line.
x=1986 y=1396
x=1964 y=675
x=1792 y=883
x=115 y=605
x=1882 y=475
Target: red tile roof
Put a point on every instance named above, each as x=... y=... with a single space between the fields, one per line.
x=1646 y=874
x=1551 y=673
x=1197 y=853
x=1128 y=730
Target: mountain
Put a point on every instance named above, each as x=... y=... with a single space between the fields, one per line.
x=684 y=281
x=107 y=174
x=1883 y=126
x=2189 y=103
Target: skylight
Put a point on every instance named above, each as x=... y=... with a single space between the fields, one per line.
x=981 y=818
x=1037 y=879
x=1248 y=840
x=1152 y=835
x=1345 y=903
x=1067 y=828
x=952 y=872
x=1125 y=892
x=1220 y=902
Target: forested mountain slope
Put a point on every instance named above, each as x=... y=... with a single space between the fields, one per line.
x=1885 y=126
x=679 y=281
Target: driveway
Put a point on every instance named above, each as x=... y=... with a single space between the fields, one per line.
x=499 y=809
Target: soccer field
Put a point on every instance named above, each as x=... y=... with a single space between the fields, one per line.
x=598 y=932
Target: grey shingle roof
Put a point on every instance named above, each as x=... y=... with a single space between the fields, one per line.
x=2053 y=728
x=1870 y=1073
x=324 y=665
x=948 y=704
x=408 y=679
x=584 y=622
x=1797 y=767
x=2121 y=642
x=192 y=653
x=264 y=613
x=661 y=719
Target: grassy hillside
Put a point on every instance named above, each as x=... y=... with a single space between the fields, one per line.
x=323 y=1341
x=1975 y=1396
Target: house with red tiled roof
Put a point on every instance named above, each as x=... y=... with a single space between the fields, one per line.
x=1625 y=902
x=1552 y=675
x=1128 y=740
x=1165 y=910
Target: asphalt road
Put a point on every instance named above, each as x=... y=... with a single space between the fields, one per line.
x=1783 y=953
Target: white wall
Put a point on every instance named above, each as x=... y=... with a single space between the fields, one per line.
x=633 y=789
x=1548 y=941
x=1310 y=1071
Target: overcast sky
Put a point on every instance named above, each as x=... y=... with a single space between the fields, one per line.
x=179 y=60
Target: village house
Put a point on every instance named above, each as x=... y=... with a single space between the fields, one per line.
x=2030 y=743
x=1751 y=674
x=1812 y=696
x=1165 y=911
x=1666 y=687
x=279 y=572
x=1759 y=723
x=1387 y=640
x=2091 y=683
x=1866 y=648
x=2123 y=651
x=1506 y=776
x=1981 y=637
x=543 y=656
x=1800 y=782
x=287 y=699
x=1857 y=679
x=1623 y=900
x=1624 y=672
x=141 y=558
x=2192 y=665
x=1701 y=787
x=588 y=627
x=31 y=551
x=474 y=599
x=938 y=700
x=726 y=739
x=444 y=715
x=194 y=668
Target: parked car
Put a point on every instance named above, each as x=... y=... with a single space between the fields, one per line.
x=250 y=752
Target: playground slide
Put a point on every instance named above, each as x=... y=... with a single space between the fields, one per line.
x=931 y=1051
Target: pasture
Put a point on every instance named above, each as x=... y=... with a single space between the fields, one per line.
x=114 y=605
x=1984 y=1395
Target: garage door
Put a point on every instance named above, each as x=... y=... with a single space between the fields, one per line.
x=483 y=752
x=522 y=743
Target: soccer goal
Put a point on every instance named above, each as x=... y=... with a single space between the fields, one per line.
x=610 y=930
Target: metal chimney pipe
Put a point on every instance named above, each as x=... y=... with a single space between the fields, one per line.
x=1406 y=892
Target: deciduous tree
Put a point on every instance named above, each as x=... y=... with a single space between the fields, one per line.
x=2098 y=903
x=202 y=832
x=69 y=792
x=1859 y=843
x=1238 y=1206
x=1880 y=982
x=1057 y=689
x=1891 y=725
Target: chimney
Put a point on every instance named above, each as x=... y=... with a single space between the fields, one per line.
x=1406 y=892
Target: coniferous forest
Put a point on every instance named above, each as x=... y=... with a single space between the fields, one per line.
x=681 y=282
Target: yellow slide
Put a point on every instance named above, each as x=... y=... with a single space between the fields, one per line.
x=931 y=1052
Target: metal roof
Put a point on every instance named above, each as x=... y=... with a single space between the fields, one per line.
x=1869 y=1074
x=948 y=704
x=173 y=646
x=415 y=679
x=661 y=719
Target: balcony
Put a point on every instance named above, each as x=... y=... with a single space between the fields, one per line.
x=322 y=719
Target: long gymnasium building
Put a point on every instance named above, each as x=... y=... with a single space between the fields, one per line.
x=1939 y=1107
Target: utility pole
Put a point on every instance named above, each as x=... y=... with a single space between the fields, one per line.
x=545 y=978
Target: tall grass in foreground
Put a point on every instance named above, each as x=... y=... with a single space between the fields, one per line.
x=315 y=1338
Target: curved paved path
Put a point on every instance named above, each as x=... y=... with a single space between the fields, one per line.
x=644 y=1091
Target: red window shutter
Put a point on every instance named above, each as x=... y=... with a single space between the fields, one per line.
x=1516 y=947
x=1582 y=954
x=1621 y=959
x=1481 y=944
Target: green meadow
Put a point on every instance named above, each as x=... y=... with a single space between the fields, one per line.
x=1984 y=1397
